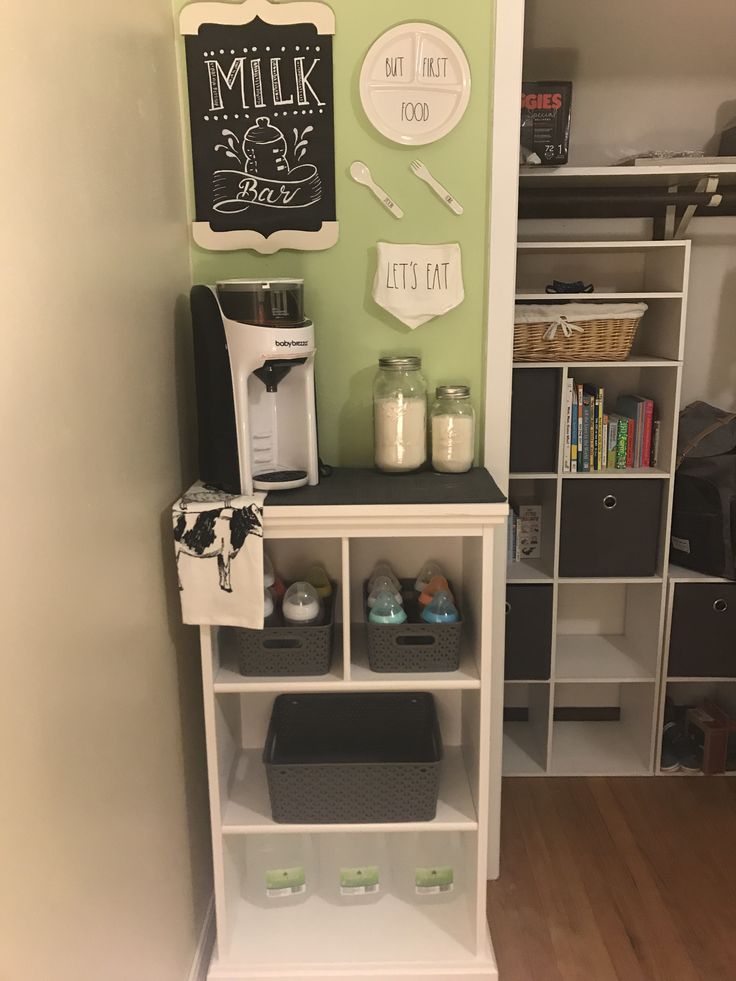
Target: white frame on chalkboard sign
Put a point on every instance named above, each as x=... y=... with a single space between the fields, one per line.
x=191 y=18
x=368 y=84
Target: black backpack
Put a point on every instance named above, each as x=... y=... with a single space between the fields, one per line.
x=704 y=517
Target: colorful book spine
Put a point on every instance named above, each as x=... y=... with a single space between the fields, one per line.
x=654 y=461
x=603 y=458
x=630 y=442
x=581 y=467
x=612 y=441
x=574 y=427
x=599 y=407
x=623 y=432
x=566 y=453
x=646 y=451
x=587 y=432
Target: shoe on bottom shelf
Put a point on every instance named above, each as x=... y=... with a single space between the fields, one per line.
x=680 y=752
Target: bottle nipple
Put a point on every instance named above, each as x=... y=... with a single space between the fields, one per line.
x=441 y=610
x=317 y=576
x=383 y=569
x=382 y=584
x=438 y=583
x=429 y=571
x=301 y=603
x=386 y=609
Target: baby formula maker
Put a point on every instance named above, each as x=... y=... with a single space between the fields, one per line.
x=254 y=366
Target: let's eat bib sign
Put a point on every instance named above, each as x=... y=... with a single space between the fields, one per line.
x=261 y=115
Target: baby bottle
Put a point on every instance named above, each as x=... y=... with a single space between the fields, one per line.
x=301 y=606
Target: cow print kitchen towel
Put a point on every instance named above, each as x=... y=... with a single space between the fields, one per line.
x=218 y=542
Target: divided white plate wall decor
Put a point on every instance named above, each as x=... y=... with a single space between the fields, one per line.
x=415 y=84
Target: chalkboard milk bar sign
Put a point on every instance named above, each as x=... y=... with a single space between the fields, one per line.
x=261 y=113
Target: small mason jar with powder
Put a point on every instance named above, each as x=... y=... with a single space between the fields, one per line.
x=452 y=429
x=400 y=415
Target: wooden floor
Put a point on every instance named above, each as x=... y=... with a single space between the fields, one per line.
x=616 y=880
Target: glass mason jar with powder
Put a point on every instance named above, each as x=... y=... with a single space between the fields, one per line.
x=453 y=429
x=400 y=415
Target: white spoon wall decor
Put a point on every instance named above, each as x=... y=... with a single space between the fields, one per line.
x=362 y=175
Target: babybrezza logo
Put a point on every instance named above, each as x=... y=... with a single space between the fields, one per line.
x=292 y=344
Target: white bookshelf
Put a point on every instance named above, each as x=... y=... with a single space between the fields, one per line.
x=607 y=633
x=399 y=935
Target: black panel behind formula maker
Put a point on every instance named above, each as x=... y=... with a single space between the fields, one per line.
x=218 y=441
x=535 y=420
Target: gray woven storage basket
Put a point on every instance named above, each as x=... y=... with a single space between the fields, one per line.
x=353 y=758
x=414 y=645
x=286 y=651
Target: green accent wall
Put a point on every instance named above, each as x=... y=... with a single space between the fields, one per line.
x=352 y=331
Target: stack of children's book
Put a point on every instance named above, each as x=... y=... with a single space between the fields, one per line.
x=524 y=532
x=596 y=439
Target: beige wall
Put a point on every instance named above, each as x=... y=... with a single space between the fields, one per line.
x=103 y=820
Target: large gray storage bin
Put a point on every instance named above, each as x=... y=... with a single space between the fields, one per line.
x=353 y=758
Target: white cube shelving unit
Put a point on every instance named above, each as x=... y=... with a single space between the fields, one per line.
x=606 y=650
x=398 y=936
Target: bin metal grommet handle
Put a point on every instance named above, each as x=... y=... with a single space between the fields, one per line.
x=720 y=606
x=609 y=502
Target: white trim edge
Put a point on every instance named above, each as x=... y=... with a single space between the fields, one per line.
x=205 y=945
x=193 y=16
x=304 y=241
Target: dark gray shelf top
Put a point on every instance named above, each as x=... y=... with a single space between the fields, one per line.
x=348 y=486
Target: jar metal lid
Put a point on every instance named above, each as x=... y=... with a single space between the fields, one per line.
x=409 y=363
x=453 y=392
x=257 y=285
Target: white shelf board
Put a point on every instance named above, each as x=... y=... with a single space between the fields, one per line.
x=590 y=749
x=594 y=658
x=466 y=677
x=295 y=939
x=634 y=361
x=608 y=579
x=681 y=773
x=641 y=473
x=592 y=297
x=520 y=751
x=540 y=475
x=677 y=573
x=528 y=571
x=633 y=245
x=248 y=808
x=661 y=176
x=700 y=680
